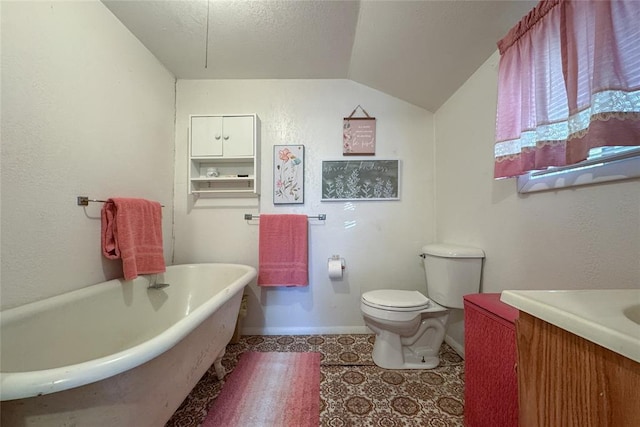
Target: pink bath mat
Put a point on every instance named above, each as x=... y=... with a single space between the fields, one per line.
x=270 y=390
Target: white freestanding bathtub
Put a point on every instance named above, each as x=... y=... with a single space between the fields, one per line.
x=118 y=353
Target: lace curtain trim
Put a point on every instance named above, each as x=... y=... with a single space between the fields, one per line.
x=605 y=106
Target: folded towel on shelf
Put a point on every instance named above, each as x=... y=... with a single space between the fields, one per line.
x=132 y=231
x=283 y=249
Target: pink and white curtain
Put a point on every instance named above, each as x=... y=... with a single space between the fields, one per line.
x=569 y=81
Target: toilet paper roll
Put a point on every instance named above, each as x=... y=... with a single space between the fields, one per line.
x=335 y=268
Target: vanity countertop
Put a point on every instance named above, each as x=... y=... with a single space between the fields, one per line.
x=607 y=317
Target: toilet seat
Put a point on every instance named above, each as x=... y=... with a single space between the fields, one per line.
x=396 y=300
x=397 y=305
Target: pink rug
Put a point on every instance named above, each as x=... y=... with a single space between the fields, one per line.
x=270 y=389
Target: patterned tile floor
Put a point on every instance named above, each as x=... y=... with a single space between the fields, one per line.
x=353 y=390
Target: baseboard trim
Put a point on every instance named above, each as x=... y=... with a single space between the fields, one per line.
x=311 y=330
x=331 y=330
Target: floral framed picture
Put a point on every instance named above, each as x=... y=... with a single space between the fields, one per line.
x=360 y=180
x=288 y=174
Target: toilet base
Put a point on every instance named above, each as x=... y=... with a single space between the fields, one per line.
x=391 y=351
x=410 y=362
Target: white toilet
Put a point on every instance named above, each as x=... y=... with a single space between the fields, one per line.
x=410 y=327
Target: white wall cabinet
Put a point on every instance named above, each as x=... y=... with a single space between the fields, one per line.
x=224 y=154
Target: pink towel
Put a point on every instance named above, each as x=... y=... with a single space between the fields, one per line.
x=132 y=230
x=283 y=249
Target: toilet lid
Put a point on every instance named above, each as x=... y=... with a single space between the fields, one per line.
x=397 y=299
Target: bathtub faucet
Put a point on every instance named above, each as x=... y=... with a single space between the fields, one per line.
x=155 y=285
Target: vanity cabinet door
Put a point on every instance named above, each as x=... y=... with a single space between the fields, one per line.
x=565 y=380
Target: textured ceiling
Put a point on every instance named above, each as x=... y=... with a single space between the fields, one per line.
x=418 y=51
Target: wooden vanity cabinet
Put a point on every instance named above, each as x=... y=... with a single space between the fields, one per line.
x=565 y=380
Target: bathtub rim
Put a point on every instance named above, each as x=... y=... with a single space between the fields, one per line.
x=19 y=385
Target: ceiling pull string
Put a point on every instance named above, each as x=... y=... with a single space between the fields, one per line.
x=206 y=46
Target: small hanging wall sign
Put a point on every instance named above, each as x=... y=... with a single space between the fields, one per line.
x=359 y=135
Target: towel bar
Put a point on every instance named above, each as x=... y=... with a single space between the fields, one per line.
x=321 y=217
x=84 y=201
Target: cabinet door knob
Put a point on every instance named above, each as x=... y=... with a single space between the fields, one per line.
x=217 y=136
x=226 y=137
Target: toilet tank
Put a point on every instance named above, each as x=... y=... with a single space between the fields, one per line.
x=452 y=272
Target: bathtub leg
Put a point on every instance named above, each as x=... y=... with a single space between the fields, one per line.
x=217 y=365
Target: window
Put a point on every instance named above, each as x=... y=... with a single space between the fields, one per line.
x=569 y=95
x=603 y=164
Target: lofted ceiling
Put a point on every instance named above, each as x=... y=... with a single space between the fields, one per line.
x=419 y=51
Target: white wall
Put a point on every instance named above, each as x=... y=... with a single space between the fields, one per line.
x=380 y=241
x=86 y=110
x=577 y=238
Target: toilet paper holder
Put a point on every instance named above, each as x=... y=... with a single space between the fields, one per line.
x=337 y=258
x=335 y=265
